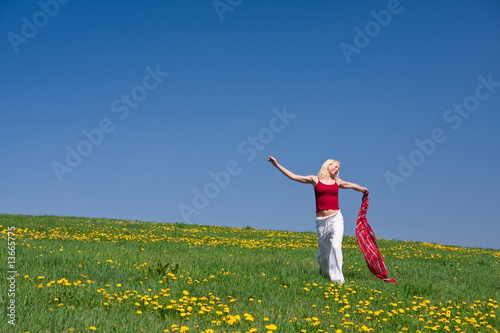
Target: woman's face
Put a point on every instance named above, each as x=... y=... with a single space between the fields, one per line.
x=333 y=169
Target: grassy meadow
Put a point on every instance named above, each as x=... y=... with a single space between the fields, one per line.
x=99 y=275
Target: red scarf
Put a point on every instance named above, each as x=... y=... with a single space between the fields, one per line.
x=368 y=244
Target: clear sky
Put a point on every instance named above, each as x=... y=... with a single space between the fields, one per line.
x=166 y=111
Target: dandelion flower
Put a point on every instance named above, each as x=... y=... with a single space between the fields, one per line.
x=271 y=327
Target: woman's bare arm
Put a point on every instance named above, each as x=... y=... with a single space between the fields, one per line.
x=356 y=187
x=301 y=179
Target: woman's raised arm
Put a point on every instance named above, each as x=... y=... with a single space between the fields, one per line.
x=301 y=179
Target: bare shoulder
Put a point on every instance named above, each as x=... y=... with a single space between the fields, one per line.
x=339 y=181
x=313 y=180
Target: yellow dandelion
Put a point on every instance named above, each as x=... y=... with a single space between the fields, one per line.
x=271 y=327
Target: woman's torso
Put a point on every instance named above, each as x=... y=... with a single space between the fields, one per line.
x=325 y=183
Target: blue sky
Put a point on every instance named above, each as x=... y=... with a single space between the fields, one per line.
x=166 y=111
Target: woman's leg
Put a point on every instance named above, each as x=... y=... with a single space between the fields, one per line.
x=323 y=245
x=336 y=226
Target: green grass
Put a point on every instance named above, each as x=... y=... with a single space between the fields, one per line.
x=85 y=275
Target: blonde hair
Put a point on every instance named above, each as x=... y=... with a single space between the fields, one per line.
x=323 y=172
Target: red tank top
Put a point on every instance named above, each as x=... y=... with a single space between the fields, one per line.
x=327 y=196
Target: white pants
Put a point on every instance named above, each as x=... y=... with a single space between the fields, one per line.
x=330 y=233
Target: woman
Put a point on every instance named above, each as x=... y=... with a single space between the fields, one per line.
x=329 y=219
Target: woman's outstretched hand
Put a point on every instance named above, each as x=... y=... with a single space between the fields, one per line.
x=272 y=160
